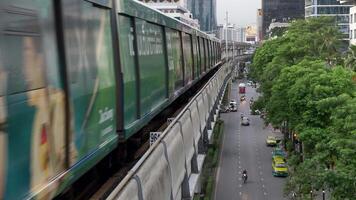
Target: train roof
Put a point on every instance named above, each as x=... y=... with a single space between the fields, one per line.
x=140 y=10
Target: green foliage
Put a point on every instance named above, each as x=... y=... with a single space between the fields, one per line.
x=303 y=84
x=211 y=163
x=278 y=31
x=350 y=60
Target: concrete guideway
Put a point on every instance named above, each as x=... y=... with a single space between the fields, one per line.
x=171 y=168
x=244 y=147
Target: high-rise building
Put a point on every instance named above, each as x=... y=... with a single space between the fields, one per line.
x=231 y=33
x=280 y=11
x=177 y=9
x=316 y=8
x=205 y=12
x=352 y=20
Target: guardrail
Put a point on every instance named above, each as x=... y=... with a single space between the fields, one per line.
x=170 y=169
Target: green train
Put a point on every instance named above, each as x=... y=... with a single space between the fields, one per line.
x=77 y=76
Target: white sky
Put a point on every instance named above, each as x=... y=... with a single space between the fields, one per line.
x=241 y=12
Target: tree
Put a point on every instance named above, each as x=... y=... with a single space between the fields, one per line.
x=303 y=83
x=350 y=61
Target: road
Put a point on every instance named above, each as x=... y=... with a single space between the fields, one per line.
x=244 y=147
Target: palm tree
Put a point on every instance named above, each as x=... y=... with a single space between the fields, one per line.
x=330 y=45
x=350 y=61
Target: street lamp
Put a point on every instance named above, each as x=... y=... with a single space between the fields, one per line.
x=323 y=194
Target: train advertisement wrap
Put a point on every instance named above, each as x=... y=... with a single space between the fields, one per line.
x=59 y=80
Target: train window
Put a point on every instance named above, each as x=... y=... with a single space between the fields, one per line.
x=202 y=53
x=198 y=56
x=211 y=53
x=22 y=57
x=128 y=65
x=89 y=58
x=207 y=54
x=188 y=57
x=175 y=66
x=152 y=65
x=195 y=56
x=214 y=53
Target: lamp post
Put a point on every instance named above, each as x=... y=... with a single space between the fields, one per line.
x=323 y=194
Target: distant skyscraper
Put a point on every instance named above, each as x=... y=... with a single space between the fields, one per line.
x=280 y=11
x=231 y=33
x=330 y=8
x=205 y=12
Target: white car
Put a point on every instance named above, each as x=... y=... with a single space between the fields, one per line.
x=233 y=106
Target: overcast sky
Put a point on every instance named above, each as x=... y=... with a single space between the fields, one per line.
x=241 y=12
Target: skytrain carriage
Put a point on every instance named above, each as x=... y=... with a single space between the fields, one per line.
x=77 y=77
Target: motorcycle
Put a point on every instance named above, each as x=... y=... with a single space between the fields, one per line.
x=244 y=177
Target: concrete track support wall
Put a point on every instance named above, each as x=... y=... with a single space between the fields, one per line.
x=171 y=168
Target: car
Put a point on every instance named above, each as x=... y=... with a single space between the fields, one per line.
x=278 y=152
x=271 y=141
x=233 y=105
x=243 y=98
x=279 y=167
x=245 y=121
x=250 y=83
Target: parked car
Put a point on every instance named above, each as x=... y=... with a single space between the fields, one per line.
x=278 y=152
x=245 y=121
x=271 y=141
x=233 y=106
x=279 y=167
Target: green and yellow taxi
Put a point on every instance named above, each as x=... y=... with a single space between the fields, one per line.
x=278 y=152
x=279 y=166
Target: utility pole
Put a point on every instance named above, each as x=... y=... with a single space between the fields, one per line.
x=226 y=45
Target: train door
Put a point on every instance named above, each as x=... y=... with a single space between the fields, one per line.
x=88 y=47
x=31 y=134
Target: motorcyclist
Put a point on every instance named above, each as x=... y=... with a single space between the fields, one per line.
x=244 y=175
x=244 y=171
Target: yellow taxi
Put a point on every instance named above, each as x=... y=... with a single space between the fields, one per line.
x=279 y=166
x=271 y=141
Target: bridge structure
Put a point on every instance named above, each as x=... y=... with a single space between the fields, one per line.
x=171 y=168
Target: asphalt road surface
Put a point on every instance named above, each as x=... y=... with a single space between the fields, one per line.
x=244 y=147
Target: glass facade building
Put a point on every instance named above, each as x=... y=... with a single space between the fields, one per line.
x=205 y=12
x=316 y=8
x=280 y=11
